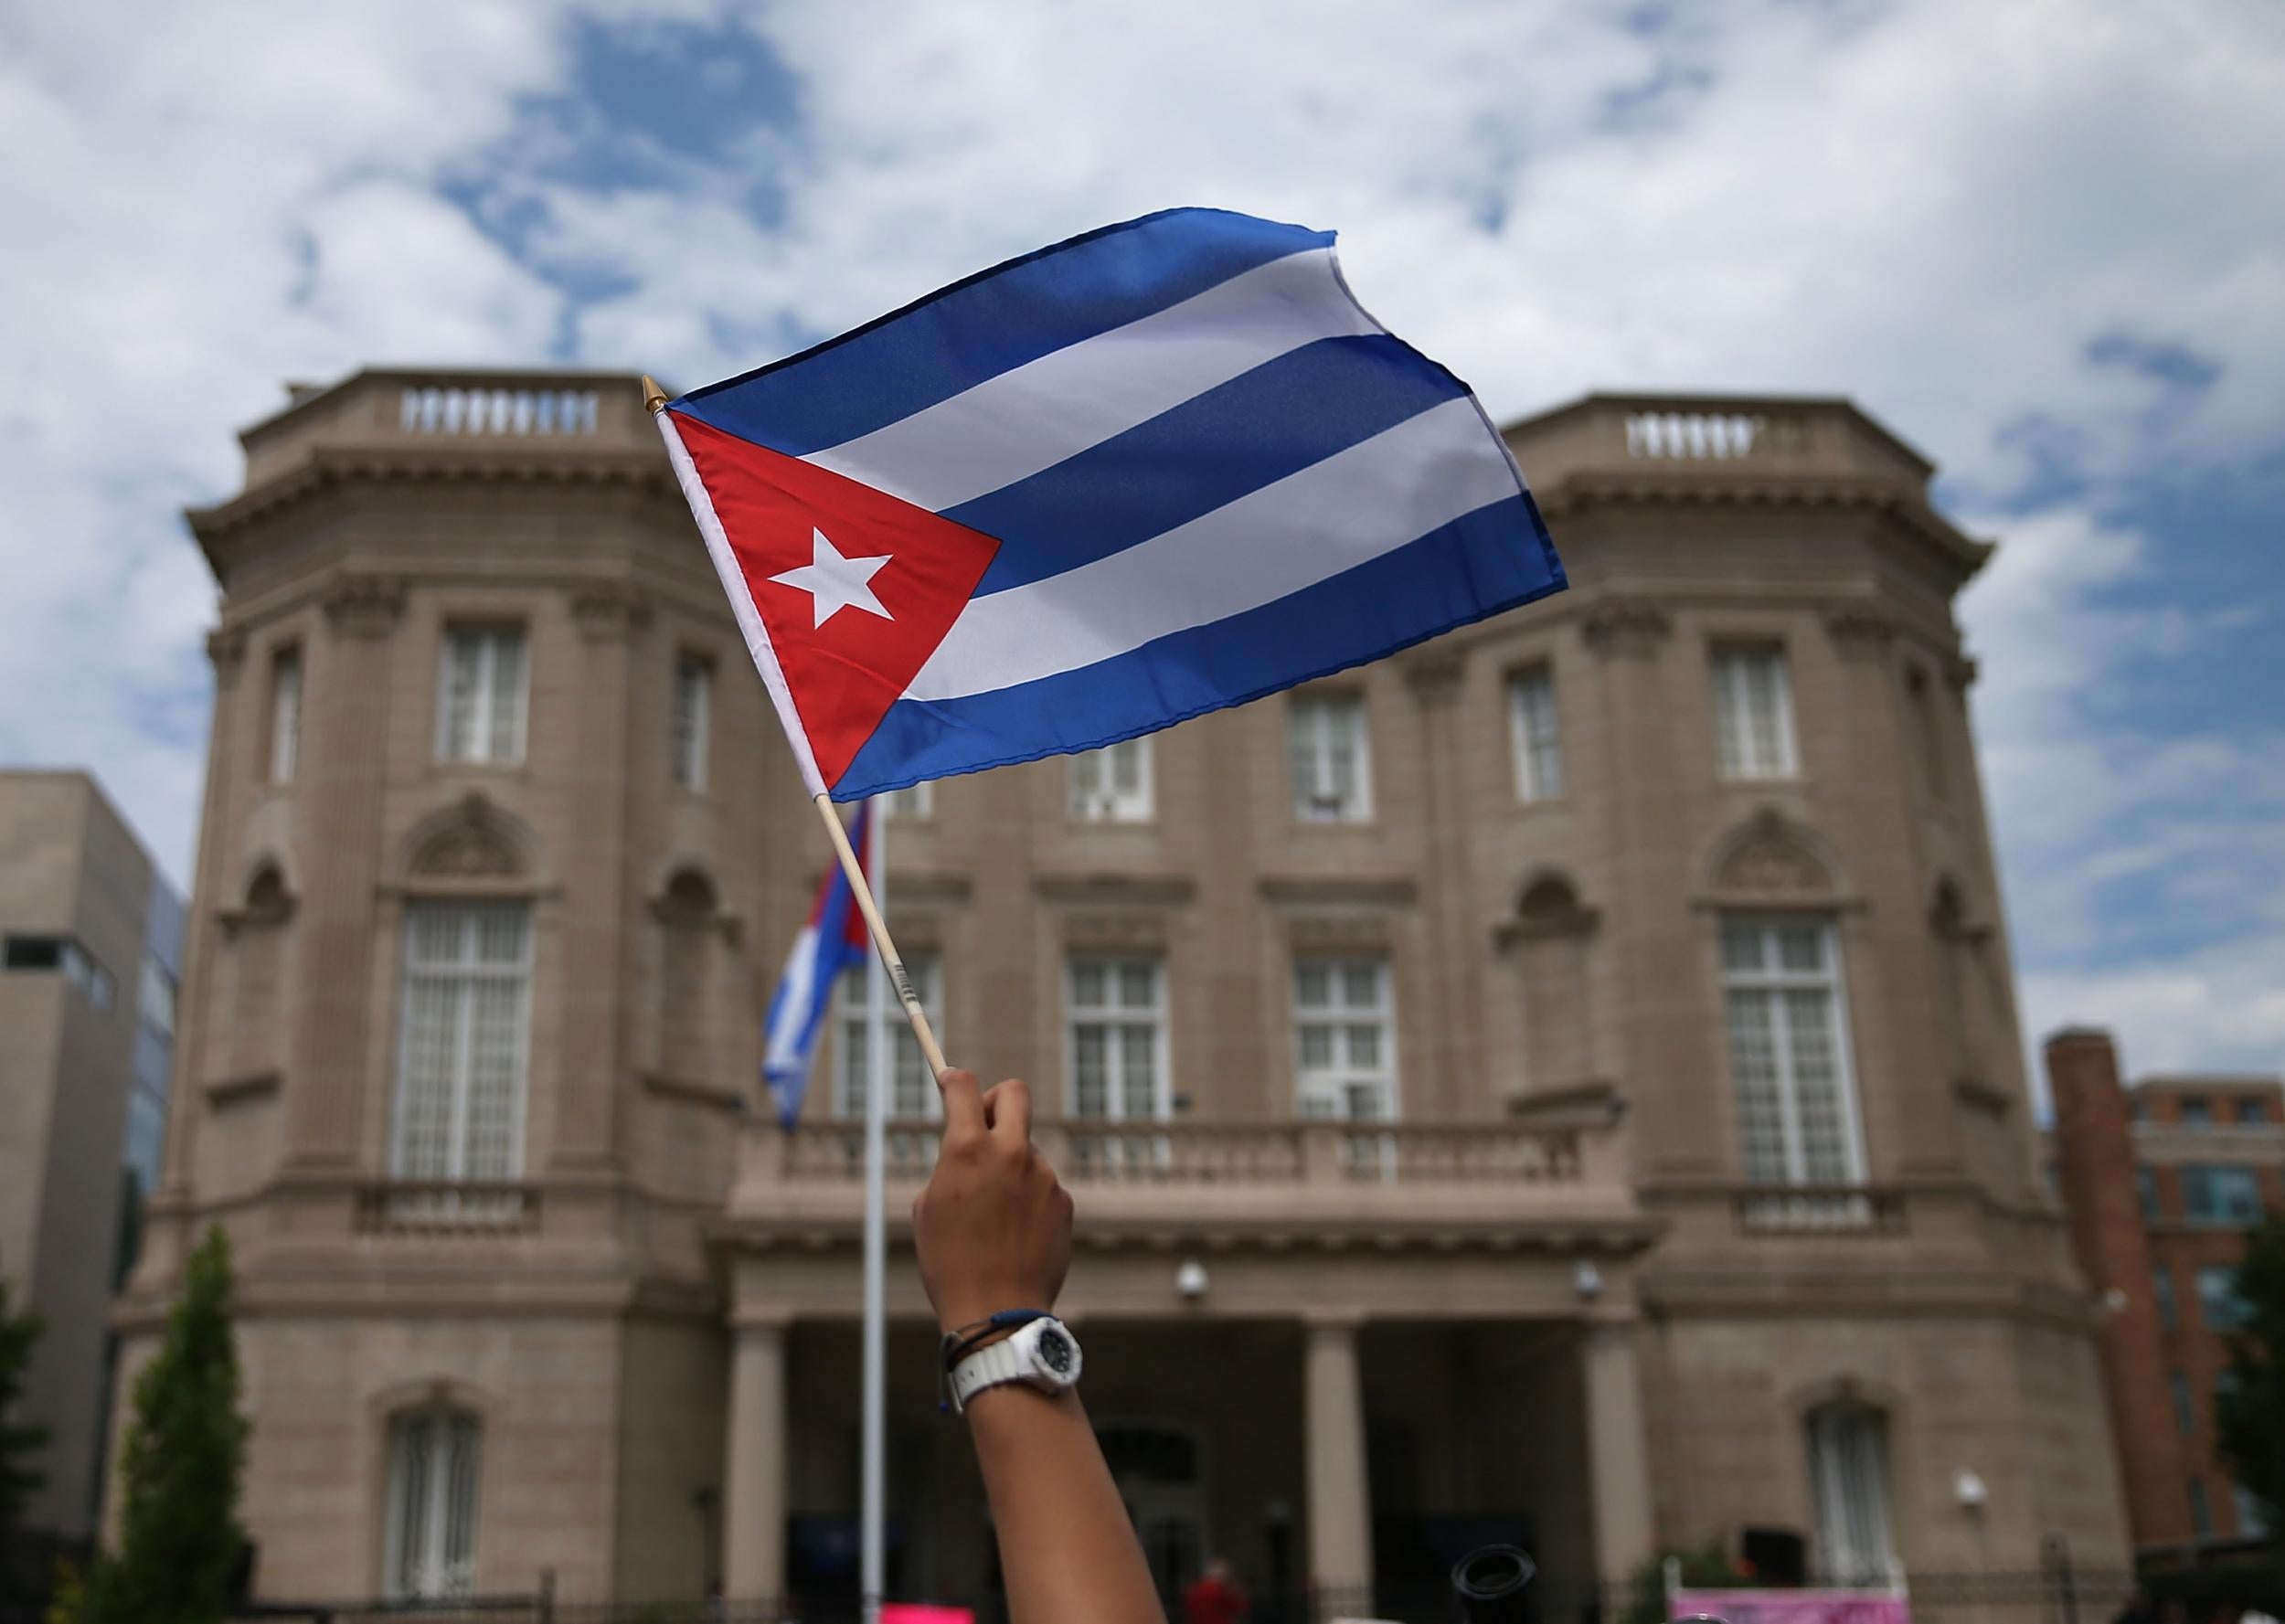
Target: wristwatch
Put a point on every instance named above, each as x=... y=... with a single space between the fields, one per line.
x=1042 y=1354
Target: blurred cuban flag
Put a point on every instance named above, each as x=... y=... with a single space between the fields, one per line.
x=832 y=941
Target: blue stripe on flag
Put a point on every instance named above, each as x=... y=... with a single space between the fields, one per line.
x=1284 y=416
x=1455 y=574
x=978 y=328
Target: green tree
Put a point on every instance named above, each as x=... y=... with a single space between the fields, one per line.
x=19 y=1445
x=179 y=1539
x=2249 y=1409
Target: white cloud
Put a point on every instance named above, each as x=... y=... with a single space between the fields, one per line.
x=207 y=200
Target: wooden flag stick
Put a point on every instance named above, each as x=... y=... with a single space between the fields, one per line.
x=886 y=948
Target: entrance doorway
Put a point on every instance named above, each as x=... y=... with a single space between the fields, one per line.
x=1159 y=1469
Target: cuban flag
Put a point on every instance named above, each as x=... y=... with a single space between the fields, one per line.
x=832 y=941
x=1162 y=468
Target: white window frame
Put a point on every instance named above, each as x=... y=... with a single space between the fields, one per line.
x=1113 y=1015
x=1535 y=732
x=487 y=704
x=1098 y=796
x=1827 y=1432
x=430 y=1520
x=1774 y=980
x=1310 y=719
x=913 y=803
x=285 y=712
x=691 y=720
x=1328 y=1092
x=465 y=969
x=925 y=970
x=1738 y=757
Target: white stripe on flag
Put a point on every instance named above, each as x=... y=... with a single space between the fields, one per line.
x=1349 y=509
x=797 y=987
x=1034 y=416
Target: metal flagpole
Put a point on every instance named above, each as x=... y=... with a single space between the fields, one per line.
x=879 y=1075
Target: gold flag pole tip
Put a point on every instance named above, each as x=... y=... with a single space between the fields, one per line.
x=654 y=398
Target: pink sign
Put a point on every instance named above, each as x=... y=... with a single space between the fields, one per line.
x=908 y=1612
x=1794 y=1607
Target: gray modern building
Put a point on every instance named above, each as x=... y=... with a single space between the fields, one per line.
x=90 y=938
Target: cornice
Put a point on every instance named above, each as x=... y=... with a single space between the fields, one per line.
x=329 y=468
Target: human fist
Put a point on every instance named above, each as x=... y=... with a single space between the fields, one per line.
x=993 y=1227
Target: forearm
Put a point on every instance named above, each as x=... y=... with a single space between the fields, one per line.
x=1066 y=1548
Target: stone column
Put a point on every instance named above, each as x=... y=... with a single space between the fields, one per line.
x=1617 y=1466
x=753 y=1470
x=1340 y=1500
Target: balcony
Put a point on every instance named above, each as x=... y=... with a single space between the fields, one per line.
x=1169 y=1177
x=406 y=1209
x=392 y=413
x=1817 y=1211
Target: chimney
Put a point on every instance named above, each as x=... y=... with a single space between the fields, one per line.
x=2094 y=1147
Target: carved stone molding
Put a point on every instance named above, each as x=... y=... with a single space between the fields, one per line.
x=933 y=888
x=364 y=605
x=226 y=652
x=605 y=611
x=1859 y=628
x=1339 y=933
x=1626 y=627
x=1434 y=675
x=1959 y=670
x=472 y=840
x=1115 y=890
x=267 y=902
x=1548 y=908
x=1773 y=859
x=1116 y=932
x=1337 y=891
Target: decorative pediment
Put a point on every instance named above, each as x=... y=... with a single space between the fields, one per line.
x=469 y=851
x=472 y=840
x=1771 y=858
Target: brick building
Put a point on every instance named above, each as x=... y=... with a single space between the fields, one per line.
x=1563 y=1080
x=2161 y=1181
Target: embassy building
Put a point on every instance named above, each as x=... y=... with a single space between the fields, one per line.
x=1562 y=1082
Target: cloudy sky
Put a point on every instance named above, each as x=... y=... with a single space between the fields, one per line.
x=2044 y=241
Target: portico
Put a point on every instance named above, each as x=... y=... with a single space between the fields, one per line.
x=1342 y=1396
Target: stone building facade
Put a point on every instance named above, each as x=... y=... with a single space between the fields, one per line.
x=90 y=934
x=2163 y=1180
x=1563 y=1081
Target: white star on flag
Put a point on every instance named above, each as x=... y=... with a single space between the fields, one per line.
x=835 y=583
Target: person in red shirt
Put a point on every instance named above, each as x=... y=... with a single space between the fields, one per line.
x=1214 y=1597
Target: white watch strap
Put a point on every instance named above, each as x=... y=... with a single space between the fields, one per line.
x=991 y=1367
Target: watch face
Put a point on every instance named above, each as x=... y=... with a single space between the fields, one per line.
x=1056 y=1353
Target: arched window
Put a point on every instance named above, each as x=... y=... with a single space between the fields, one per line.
x=1554 y=933
x=687 y=915
x=429 y=1547
x=1848 y=1476
x=259 y=969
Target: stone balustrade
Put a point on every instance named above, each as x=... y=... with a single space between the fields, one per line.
x=1199 y=1153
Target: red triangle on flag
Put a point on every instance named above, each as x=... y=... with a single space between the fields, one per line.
x=888 y=580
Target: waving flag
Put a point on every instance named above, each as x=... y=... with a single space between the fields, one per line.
x=1165 y=467
x=832 y=941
